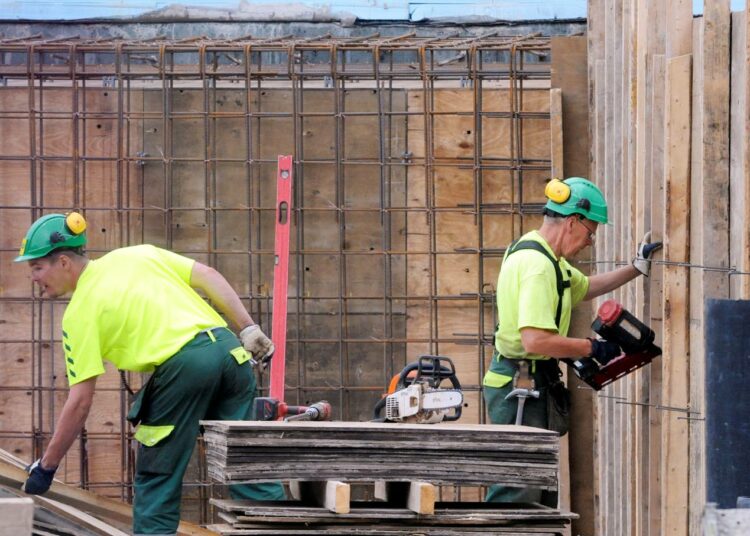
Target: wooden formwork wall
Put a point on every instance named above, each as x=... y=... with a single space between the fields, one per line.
x=669 y=134
x=186 y=168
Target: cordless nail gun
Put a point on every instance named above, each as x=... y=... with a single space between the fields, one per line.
x=614 y=323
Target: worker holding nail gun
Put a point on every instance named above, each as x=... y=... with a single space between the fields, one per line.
x=138 y=308
x=536 y=291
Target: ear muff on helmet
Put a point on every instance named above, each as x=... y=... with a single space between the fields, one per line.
x=557 y=191
x=75 y=223
x=576 y=195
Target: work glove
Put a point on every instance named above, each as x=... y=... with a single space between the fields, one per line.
x=642 y=261
x=604 y=351
x=40 y=479
x=256 y=342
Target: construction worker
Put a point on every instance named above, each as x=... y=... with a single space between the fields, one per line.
x=534 y=302
x=138 y=308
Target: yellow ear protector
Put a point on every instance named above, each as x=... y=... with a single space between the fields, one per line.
x=557 y=191
x=75 y=223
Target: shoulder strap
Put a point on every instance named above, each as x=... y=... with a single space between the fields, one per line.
x=561 y=283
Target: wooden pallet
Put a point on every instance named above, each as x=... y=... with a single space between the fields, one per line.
x=372 y=518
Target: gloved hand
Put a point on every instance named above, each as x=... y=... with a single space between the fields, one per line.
x=604 y=351
x=256 y=342
x=642 y=261
x=40 y=478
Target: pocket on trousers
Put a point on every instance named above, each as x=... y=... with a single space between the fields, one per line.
x=240 y=355
x=153 y=452
x=496 y=380
x=558 y=408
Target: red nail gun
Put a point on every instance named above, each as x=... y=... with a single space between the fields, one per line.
x=615 y=324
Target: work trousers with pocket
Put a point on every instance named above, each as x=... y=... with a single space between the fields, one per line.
x=204 y=380
x=502 y=411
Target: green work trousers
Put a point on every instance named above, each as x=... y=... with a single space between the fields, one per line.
x=503 y=411
x=201 y=381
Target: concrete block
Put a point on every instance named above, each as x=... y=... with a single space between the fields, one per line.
x=16 y=517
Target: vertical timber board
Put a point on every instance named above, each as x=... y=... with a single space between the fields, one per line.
x=558 y=171
x=570 y=74
x=714 y=227
x=744 y=58
x=696 y=208
x=675 y=461
x=600 y=451
x=738 y=212
x=610 y=445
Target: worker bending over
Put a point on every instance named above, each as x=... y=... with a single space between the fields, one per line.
x=536 y=290
x=138 y=308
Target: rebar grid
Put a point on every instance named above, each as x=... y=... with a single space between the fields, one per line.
x=163 y=170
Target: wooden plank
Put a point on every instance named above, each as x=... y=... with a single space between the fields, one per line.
x=712 y=247
x=744 y=60
x=674 y=463
x=739 y=243
x=556 y=133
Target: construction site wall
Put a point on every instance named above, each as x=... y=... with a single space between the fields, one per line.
x=669 y=130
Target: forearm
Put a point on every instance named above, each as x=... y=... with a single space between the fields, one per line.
x=600 y=284
x=71 y=421
x=221 y=294
x=550 y=344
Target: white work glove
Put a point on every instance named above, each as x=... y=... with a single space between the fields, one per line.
x=256 y=342
x=642 y=261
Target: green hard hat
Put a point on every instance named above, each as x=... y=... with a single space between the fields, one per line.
x=576 y=195
x=50 y=232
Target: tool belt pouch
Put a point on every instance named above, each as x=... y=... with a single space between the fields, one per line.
x=558 y=398
x=558 y=408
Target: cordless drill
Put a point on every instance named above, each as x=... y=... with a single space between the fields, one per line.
x=614 y=323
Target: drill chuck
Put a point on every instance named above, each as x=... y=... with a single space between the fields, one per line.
x=320 y=411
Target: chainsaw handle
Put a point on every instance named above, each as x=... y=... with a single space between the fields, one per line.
x=429 y=365
x=377 y=410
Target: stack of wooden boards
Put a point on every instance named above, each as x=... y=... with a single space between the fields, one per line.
x=404 y=461
x=253 y=451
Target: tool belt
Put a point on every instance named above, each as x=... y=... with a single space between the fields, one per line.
x=545 y=374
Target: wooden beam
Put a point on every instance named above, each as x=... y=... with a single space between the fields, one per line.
x=421 y=498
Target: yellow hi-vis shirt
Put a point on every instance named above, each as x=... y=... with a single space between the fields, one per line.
x=134 y=307
x=527 y=297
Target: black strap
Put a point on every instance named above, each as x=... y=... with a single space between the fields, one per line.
x=561 y=283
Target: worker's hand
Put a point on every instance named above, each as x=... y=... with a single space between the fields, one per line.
x=256 y=342
x=642 y=261
x=40 y=478
x=604 y=351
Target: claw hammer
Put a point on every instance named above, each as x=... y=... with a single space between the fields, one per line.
x=523 y=387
